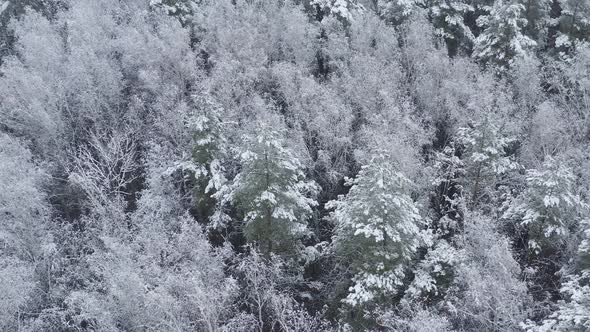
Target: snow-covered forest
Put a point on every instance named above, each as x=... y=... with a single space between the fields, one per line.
x=295 y=165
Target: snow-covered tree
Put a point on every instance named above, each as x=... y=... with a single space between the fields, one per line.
x=396 y=11
x=447 y=199
x=24 y=233
x=267 y=305
x=502 y=38
x=341 y=9
x=415 y=319
x=574 y=22
x=103 y=169
x=103 y=65
x=573 y=311
x=448 y=18
x=183 y=9
x=537 y=14
x=475 y=302
x=526 y=79
x=435 y=272
x=549 y=135
x=377 y=231
x=163 y=275
x=145 y=186
x=485 y=159
x=207 y=154
x=271 y=192
x=549 y=208
x=22 y=203
x=178 y=282
x=546 y=217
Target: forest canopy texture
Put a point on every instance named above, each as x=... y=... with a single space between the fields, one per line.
x=295 y=165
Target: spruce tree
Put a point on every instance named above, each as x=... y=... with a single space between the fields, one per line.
x=448 y=18
x=574 y=23
x=485 y=159
x=208 y=149
x=272 y=193
x=573 y=311
x=502 y=38
x=548 y=208
x=377 y=231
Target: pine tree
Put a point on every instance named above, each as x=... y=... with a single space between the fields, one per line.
x=183 y=9
x=340 y=9
x=396 y=11
x=573 y=312
x=272 y=193
x=485 y=159
x=502 y=38
x=377 y=231
x=448 y=18
x=536 y=13
x=548 y=208
x=447 y=199
x=546 y=216
x=435 y=272
x=208 y=149
x=574 y=23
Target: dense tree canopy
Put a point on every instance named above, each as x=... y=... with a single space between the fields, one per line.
x=294 y=165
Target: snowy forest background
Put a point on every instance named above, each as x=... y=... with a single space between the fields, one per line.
x=277 y=165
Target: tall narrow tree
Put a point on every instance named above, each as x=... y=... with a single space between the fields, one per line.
x=377 y=231
x=272 y=192
x=502 y=38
